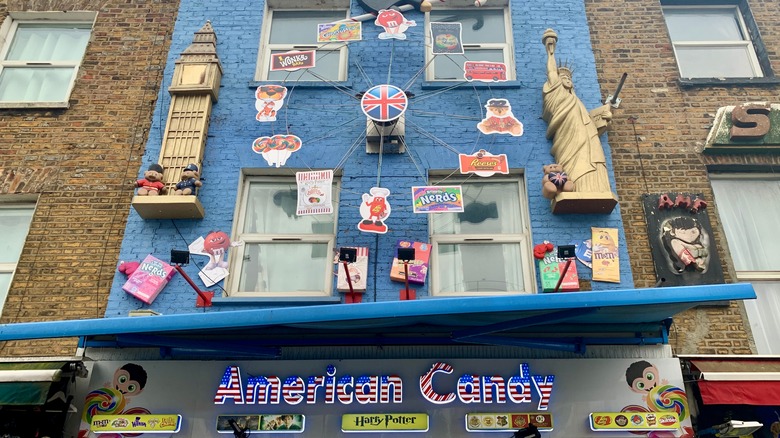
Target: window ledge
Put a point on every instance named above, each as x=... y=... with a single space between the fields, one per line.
x=275 y=301
x=437 y=85
x=34 y=105
x=302 y=84
x=707 y=82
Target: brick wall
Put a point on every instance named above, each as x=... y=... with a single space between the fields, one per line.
x=329 y=121
x=657 y=138
x=81 y=161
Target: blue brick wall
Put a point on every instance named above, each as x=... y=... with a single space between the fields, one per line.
x=329 y=121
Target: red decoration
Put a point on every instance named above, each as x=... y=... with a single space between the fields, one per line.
x=128 y=268
x=698 y=204
x=682 y=201
x=541 y=249
x=664 y=201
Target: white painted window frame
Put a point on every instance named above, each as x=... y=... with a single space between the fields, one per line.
x=747 y=42
x=236 y=254
x=7 y=32
x=524 y=239
x=266 y=48
x=507 y=47
x=10 y=268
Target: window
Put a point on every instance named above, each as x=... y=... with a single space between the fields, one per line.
x=749 y=207
x=486 y=249
x=711 y=42
x=40 y=58
x=293 y=30
x=14 y=224
x=283 y=254
x=486 y=36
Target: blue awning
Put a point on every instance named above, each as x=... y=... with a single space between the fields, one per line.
x=565 y=321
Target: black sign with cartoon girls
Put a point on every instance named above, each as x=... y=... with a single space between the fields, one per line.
x=681 y=239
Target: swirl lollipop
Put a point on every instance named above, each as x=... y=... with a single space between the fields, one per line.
x=668 y=397
x=103 y=401
x=277 y=149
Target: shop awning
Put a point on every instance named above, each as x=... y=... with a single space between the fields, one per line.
x=28 y=383
x=738 y=381
x=561 y=321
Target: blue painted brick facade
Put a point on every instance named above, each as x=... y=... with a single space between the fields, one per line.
x=329 y=121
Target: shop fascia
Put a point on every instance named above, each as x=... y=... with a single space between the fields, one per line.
x=379 y=389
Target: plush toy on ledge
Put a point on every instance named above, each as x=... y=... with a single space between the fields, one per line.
x=555 y=181
x=151 y=184
x=190 y=180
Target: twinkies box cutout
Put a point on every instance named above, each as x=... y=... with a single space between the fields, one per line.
x=149 y=279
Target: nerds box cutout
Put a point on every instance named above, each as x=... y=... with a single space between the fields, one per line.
x=437 y=199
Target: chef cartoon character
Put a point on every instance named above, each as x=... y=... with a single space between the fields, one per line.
x=374 y=209
x=394 y=23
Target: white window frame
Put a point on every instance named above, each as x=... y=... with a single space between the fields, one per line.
x=765 y=277
x=10 y=268
x=236 y=254
x=8 y=31
x=747 y=42
x=523 y=238
x=507 y=47
x=266 y=48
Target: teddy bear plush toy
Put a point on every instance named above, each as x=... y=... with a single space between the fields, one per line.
x=151 y=184
x=555 y=180
x=190 y=180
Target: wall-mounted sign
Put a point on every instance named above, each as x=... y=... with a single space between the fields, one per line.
x=136 y=423
x=374 y=210
x=379 y=422
x=446 y=39
x=374 y=389
x=633 y=421
x=508 y=421
x=437 y=199
x=484 y=71
x=418 y=268
x=499 y=119
x=604 y=253
x=681 y=239
x=276 y=149
x=269 y=100
x=483 y=163
x=314 y=192
x=291 y=61
x=340 y=31
x=747 y=128
x=262 y=423
x=394 y=23
x=149 y=279
x=384 y=103
x=358 y=272
x=551 y=268
x=320 y=393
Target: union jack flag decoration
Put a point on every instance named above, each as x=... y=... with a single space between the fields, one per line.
x=384 y=103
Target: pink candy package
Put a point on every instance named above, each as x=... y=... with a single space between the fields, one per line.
x=149 y=279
